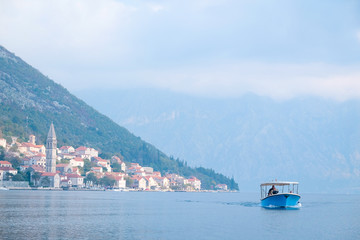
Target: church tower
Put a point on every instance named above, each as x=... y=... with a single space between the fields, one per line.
x=51 y=146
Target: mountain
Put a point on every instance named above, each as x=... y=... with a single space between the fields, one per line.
x=308 y=139
x=29 y=102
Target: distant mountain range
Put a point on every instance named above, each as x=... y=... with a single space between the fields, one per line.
x=312 y=140
x=29 y=102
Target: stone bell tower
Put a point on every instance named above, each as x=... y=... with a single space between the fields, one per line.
x=51 y=146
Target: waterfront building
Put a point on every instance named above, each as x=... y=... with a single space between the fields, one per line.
x=50 y=179
x=222 y=187
x=151 y=183
x=76 y=179
x=6 y=170
x=51 y=148
x=194 y=182
x=162 y=181
x=120 y=182
x=139 y=182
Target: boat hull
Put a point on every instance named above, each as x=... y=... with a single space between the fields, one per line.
x=282 y=200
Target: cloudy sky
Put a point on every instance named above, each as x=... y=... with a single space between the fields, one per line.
x=220 y=48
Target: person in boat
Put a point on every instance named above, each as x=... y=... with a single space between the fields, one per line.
x=272 y=190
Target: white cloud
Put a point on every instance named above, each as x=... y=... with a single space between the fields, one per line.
x=279 y=81
x=156 y=7
x=64 y=28
x=193 y=47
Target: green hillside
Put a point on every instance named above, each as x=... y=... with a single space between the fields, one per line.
x=29 y=102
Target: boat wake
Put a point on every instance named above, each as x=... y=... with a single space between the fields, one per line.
x=244 y=204
x=297 y=206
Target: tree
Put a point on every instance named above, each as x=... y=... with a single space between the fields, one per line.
x=91 y=178
x=129 y=182
x=105 y=155
x=15 y=162
x=18 y=177
x=87 y=166
x=45 y=181
x=107 y=182
x=116 y=167
x=2 y=153
x=14 y=148
x=65 y=160
x=36 y=177
x=8 y=176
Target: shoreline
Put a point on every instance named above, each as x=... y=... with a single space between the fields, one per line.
x=108 y=190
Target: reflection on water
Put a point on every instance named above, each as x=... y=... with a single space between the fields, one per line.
x=128 y=215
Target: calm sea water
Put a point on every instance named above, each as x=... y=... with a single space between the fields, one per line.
x=157 y=215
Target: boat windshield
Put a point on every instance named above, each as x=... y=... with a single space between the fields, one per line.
x=281 y=187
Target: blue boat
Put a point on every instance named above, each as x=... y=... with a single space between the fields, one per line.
x=280 y=195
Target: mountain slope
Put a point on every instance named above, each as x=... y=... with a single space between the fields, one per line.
x=311 y=140
x=29 y=102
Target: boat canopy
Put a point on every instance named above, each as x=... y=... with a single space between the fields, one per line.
x=279 y=183
x=284 y=187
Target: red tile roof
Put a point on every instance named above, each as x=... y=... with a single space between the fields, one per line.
x=73 y=175
x=27 y=144
x=65 y=147
x=82 y=148
x=6 y=168
x=48 y=174
x=37 y=168
x=40 y=155
x=5 y=162
x=62 y=165
x=137 y=178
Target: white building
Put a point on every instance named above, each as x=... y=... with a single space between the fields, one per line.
x=85 y=152
x=5 y=164
x=76 y=180
x=66 y=150
x=194 y=182
x=116 y=159
x=77 y=162
x=38 y=159
x=139 y=183
x=151 y=183
x=120 y=182
x=163 y=182
x=3 y=142
x=97 y=169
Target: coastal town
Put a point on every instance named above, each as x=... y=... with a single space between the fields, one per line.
x=81 y=168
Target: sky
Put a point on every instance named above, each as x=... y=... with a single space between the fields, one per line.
x=220 y=48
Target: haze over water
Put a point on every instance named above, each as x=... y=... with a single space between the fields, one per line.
x=157 y=215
